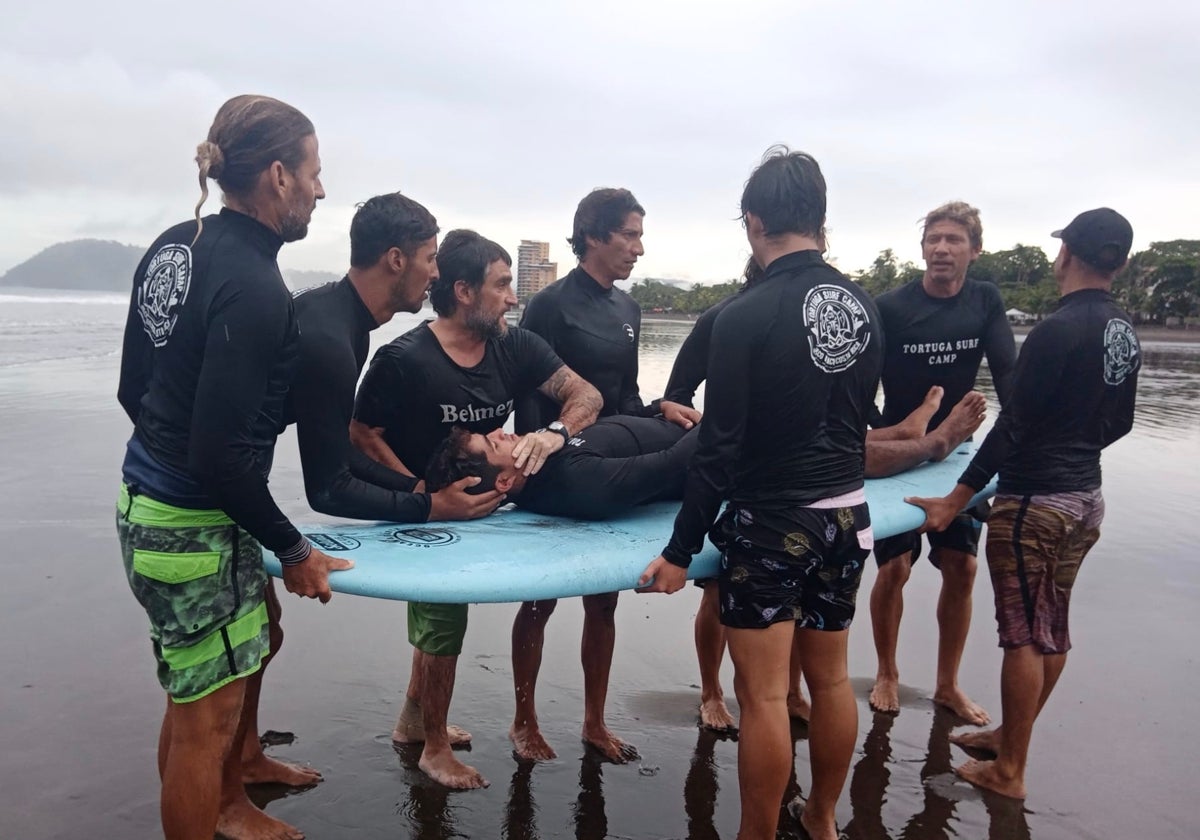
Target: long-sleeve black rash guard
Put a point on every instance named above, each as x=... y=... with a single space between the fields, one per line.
x=1073 y=395
x=792 y=371
x=209 y=353
x=691 y=363
x=339 y=480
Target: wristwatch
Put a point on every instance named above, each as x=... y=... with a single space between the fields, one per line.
x=558 y=428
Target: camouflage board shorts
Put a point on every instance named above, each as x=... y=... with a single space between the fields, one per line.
x=201 y=580
x=1034 y=549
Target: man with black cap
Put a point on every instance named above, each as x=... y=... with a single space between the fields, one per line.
x=1073 y=395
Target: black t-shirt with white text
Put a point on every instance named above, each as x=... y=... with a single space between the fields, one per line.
x=417 y=393
x=942 y=341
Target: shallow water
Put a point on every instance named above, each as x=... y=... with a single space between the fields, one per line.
x=79 y=703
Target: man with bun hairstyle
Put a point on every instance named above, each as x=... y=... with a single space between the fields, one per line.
x=1073 y=395
x=209 y=354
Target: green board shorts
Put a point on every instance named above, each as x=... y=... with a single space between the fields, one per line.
x=437 y=629
x=201 y=580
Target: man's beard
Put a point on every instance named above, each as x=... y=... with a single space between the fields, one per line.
x=294 y=225
x=486 y=328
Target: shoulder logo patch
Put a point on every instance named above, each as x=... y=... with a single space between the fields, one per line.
x=837 y=327
x=164 y=289
x=1122 y=352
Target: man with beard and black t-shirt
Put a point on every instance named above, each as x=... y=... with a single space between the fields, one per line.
x=938 y=330
x=209 y=353
x=792 y=373
x=393 y=261
x=464 y=368
x=1073 y=394
x=604 y=470
x=594 y=327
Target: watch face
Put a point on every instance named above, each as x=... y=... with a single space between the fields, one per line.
x=556 y=426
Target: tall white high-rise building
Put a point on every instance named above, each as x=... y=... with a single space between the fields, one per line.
x=534 y=269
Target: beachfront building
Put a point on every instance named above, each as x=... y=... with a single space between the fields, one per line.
x=534 y=269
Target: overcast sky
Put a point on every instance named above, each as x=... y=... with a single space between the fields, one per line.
x=500 y=116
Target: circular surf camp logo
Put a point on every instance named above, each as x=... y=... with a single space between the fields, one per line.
x=333 y=542
x=629 y=332
x=164 y=289
x=423 y=537
x=836 y=322
x=1121 y=351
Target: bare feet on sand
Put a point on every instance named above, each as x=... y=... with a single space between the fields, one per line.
x=986 y=743
x=963 y=706
x=798 y=707
x=916 y=424
x=885 y=695
x=609 y=745
x=985 y=775
x=529 y=744
x=715 y=715
x=415 y=734
x=264 y=770
x=447 y=770
x=241 y=820
x=960 y=424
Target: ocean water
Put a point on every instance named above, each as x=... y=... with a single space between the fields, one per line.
x=1113 y=755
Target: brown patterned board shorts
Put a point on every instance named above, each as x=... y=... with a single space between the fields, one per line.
x=1035 y=546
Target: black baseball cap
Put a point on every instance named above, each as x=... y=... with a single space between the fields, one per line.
x=1101 y=238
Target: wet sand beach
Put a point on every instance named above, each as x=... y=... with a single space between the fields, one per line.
x=1114 y=754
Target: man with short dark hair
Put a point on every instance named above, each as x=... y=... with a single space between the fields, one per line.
x=393 y=261
x=209 y=353
x=1073 y=395
x=793 y=369
x=938 y=329
x=594 y=327
x=464 y=368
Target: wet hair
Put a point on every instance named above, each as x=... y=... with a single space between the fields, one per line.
x=752 y=273
x=463 y=255
x=388 y=221
x=787 y=193
x=961 y=213
x=602 y=212
x=452 y=461
x=248 y=134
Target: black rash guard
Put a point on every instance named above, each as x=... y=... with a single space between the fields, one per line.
x=691 y=363
x=418 y=394
x=792 y=372
x=1073 y=395
x=209 y=353
x=335 y=336
x=595 y=332
x=941 y=341
x=610 y=467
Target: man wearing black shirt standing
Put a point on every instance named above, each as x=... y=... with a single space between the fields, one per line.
x=594 y=327
x=209 y=353
x=466 y=368
x=1073 y=395
x=794 y=365
x=393 y=261
x=938 y=330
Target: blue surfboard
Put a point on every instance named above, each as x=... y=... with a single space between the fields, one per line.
x=514 y=555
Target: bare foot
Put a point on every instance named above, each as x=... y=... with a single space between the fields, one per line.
x=447 y=770
x=885 y=696
x=986 y=742
x=529 y=744
x=715 y=715
x=264 y=770
x=963 y=706
x=917 y=423
x=798 y=707
x=609 y=745
x=827 y=831
x=241 y=820
x=960 y=424
x=984 y=774
x=415 y=734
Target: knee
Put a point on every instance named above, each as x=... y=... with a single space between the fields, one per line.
x=958 y=570
x=893 y=574
x=536 y=612
x=603 y=607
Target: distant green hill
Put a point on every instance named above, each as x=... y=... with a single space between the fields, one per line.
x=91 y=264
x=102 y=266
